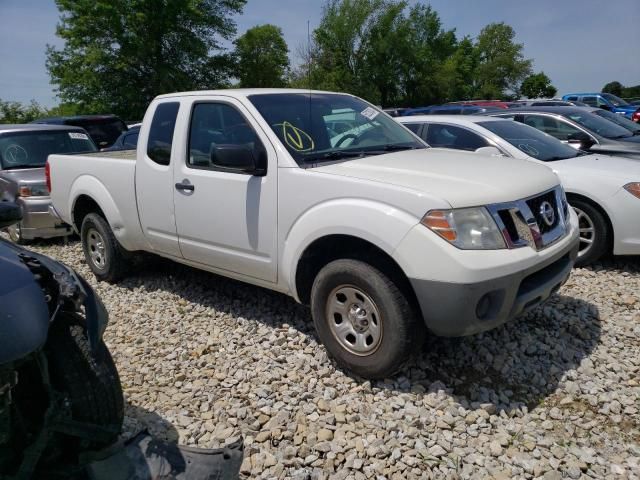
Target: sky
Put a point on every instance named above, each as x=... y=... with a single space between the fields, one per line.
x=579 y=44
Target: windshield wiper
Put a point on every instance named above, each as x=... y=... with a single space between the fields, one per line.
x=334 y=155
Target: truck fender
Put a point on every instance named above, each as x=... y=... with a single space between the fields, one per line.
x=378 y=223
x=92 y=187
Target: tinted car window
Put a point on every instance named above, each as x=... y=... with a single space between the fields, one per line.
x=414 y=127
x=591 y=101
x=599 y=125
x=616 y=101
x=572 y=99
x=217 y=124
x=450 y=136
x=531 y=141
x=104 y=132
x=31 y=149
x=619 y=120
x=553 y=126
x=131 y=140
x=161 y=132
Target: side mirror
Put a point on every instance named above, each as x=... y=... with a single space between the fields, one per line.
x=239 y=158
x=491 y=151
x=10 y=214
x=582 y=139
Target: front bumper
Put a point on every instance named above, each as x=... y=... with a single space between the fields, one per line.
x=459 y=309
x=37 y=220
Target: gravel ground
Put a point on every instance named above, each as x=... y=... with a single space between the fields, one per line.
x=554 y=394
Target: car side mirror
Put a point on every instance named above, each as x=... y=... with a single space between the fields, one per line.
x=239 y=158
x=491 y=151
x=10 y=214
x=582 y=139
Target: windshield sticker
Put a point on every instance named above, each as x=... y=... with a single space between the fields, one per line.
x=297 y=139
x=78 y=136
x=369 y=113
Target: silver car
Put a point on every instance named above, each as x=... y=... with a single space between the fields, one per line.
x=23 y=153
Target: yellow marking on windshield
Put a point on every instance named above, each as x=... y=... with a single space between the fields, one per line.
x=297 y=139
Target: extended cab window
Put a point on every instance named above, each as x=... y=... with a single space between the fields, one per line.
x=215 y=127
x=161 y=132
x=449 y=136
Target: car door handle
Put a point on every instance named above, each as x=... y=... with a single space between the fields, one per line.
x=185 y=187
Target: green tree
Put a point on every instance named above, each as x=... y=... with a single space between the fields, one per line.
x=119 y=54
x=16 y=112
x=613 y=87
x=502 y=65
x=537 y=86
x=262 y=57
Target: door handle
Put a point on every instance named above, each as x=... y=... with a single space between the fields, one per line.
x=185 y=187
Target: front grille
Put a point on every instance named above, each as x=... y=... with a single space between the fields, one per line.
x=536 y=205
x=537 y=221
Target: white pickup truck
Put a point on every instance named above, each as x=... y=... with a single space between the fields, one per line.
x=325 y=198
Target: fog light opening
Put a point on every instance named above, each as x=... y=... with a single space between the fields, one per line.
x=484 y=307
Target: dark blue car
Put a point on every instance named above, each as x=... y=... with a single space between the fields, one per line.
x=606 y=101
x=456 y=109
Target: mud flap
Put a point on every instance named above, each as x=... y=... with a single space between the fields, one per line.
x=147 y=458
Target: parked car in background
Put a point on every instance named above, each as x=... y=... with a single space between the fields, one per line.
x=456 y=109
x=603 y=190
x=616 y=118
x=580 y=128
x=23 y=153
x=483 y=103
x=606 y=101
x=381 y=235
x=103 y=129
x=546 y=102
x=127 y=140
x=394 y=112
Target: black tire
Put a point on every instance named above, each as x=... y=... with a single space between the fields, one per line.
x=601 y=237
x=114 y=262
x=402 y=331
x=92 y=385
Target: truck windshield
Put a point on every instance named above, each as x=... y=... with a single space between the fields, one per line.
x=31 y=149
x=599 y=125
x=531 y=141
x=616 y=101
x=319 y=127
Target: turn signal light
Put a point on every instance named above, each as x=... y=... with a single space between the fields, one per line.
x=633 y=189
x=438 y=222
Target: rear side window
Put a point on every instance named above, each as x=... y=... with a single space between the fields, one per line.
x=161 y=133
x=572 y=99
x=414 y=127
x=591 y=101
x=449 y=136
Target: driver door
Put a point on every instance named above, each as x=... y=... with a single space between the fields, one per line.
x=226 y=218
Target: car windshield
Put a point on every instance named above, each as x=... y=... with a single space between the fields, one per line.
x=104 y=132
x=616 y=101
x=531 y=141
x=619 y=119
x=31 y=149
x=319 y=127
x=599 y=125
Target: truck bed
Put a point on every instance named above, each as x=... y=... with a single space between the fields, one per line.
x=115 y=155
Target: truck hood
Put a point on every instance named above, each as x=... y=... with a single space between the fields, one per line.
x=25 y=176
x=463 y=179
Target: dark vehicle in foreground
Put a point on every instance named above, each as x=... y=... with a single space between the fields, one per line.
x=127 y=140
x=23 y=153
x=59 y=389
x=580 y=128
x=606 y=101
x=104 y=130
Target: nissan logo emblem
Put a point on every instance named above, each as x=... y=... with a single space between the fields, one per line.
x=547 y=213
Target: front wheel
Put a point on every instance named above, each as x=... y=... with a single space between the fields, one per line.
x=364 y=320
x=594 y=232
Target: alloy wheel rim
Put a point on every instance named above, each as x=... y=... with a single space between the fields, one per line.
x=96 y=248
x=14 y=233
x=354 y=320
x=586 y=230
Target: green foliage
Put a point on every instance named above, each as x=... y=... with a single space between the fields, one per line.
x=262 y=57
x=396 y=55
x=538 y=86
x=16 y=112
x=502 y=65
x=119 y=54
x=616 y=88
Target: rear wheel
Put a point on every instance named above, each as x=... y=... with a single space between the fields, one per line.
x=363 y=318
x=595 y=234
x=104 y=255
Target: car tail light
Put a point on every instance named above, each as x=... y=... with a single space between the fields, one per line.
x=636 y=116
x=47 y=175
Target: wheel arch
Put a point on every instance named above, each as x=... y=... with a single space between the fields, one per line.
x=598 y=206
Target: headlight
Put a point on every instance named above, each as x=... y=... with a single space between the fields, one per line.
x=633 y=188
x=466 y=228
x=37 y=190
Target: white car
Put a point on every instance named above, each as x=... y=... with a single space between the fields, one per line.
x=603 y=190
